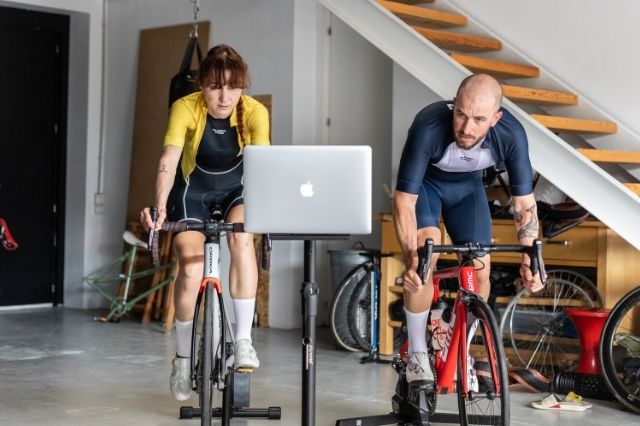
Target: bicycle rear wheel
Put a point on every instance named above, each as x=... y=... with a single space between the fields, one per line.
x=338 y=315
x=620 y=351
x=359 y=310
x=488 y=403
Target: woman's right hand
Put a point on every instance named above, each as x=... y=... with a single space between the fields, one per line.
x=147 y=221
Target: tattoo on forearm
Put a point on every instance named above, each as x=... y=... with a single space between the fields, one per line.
x=527 y=222
x=163 y=169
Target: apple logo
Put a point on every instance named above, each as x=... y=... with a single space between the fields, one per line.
x=306 y=189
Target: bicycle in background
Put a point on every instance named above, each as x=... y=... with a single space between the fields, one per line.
x=354 y=313
x=6 y=239
x=620 y=350
x=212 y=341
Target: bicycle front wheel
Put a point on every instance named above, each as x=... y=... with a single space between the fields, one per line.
x=339 y=313
x=206 y=357
x=487 y=400
x=620 y=351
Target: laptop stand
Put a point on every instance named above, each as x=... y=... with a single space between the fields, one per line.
x=309 y=293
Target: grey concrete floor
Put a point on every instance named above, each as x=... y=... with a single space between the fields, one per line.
x=59 y=367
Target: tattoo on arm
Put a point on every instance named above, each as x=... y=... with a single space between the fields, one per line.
x=527 y=222
x=163 y=169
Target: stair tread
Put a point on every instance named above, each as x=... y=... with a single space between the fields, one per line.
x=575 y=125
x=611 y=156
x=416 y=14
x=414 y=1
x=498 y=69
x=460 y=42
x=635 y=187
x=539 y=96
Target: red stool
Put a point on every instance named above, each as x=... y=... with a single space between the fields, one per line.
x=589 y=323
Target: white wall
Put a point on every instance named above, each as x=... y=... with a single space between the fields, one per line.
x=587 y=44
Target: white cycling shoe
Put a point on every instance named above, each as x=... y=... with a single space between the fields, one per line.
x=180 y=380
x=419 y=368
x=246 y=357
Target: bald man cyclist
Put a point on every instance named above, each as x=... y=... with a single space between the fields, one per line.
x=440 y=176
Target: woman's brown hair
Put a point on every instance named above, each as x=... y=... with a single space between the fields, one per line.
x=221 y=59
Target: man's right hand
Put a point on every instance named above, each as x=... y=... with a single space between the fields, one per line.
x=412 y=282
x=147 y=221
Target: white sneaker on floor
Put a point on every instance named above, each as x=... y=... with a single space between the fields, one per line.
x=180 y=380
x=419 y=368
x=245 y=356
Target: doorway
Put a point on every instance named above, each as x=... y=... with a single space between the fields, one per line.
x=33 y=113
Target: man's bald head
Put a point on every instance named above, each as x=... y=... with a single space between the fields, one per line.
x=481 y=85
x=476 y=109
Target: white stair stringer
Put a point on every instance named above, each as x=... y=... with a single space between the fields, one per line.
x=606 y=198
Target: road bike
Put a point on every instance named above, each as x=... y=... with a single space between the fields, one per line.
x=212 y=341
x=354 y=314
x=468 y=357
x=620 y=350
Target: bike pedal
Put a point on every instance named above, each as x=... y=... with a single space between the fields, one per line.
x=245 y=370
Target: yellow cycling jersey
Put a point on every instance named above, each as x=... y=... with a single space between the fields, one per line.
x=187 y=122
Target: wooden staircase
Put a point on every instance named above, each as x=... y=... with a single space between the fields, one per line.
x=440 y=29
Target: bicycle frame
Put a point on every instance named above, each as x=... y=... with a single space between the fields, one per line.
x=457 y=341
x=211 y=277
x=122 y=305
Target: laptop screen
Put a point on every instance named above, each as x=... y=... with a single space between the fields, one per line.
x=307 y=189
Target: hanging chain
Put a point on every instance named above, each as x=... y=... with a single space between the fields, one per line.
x=196 y=9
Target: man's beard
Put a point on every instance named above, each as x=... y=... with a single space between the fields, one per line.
x=462 y=146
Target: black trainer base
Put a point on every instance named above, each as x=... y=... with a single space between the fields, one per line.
x=235 y=401
x=271 y=413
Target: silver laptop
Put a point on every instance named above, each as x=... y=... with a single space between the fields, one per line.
x=307 y=189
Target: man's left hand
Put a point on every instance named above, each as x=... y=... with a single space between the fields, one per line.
x=530 y=281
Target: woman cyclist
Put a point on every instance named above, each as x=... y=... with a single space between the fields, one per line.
x=201 y=169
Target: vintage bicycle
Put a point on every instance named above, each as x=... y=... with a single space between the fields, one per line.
x=212 y=341
x=472 y=338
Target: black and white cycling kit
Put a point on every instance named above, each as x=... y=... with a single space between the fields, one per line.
x=448 y=180
x=217 y=179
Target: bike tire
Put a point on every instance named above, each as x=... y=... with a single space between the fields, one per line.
x=490 y=404
x=539 y=334
x=621 y=322
x=206 y=359
x=338 y=314
x=359 y=310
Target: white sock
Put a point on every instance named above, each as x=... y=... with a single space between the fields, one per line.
x=183 y=334
x=244 y=310
x=417 y=331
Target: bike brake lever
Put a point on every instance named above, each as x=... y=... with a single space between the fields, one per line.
x=153 y=211
x=424 y=260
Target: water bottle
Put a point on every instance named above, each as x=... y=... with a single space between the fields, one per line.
x=438 y=325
